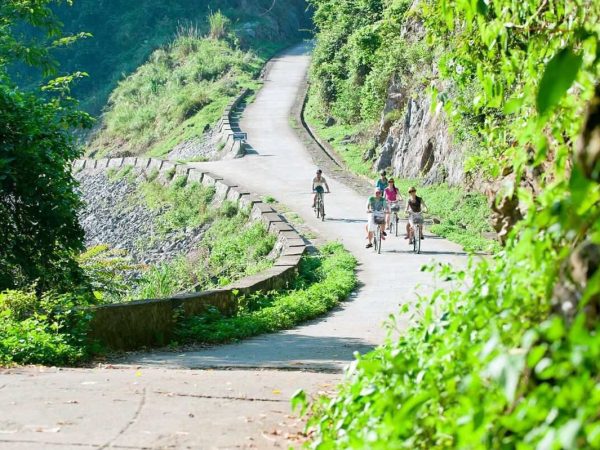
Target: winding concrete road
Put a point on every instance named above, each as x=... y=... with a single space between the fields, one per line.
x=280 y=166
x=153 y=400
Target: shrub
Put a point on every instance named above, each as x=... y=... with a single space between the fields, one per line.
x=47 y=330
x=324 y=280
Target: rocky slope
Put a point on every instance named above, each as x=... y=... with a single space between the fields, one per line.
x=417 y=142
x=115 y=214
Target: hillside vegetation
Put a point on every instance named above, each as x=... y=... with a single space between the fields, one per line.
x=508 y=357
x=125 y=33
x=175 y=96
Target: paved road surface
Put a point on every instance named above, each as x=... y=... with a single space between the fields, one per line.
x=153 y=400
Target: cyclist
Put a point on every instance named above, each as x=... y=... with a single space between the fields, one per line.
x=382 y=182
x=392 y=197
x=318 y=186
x=375 y=203
x=414 y=205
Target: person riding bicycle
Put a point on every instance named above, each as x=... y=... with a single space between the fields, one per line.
x=318 y=186
x=414 y=205
x=376 y=204
x=392 y=197
x=382 y=181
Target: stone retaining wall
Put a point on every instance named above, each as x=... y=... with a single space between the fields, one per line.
x=234 y=142
x=150 y=322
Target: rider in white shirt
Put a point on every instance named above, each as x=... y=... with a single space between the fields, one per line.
x=319 y=184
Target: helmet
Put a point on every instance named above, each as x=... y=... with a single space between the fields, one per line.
x=378 y=191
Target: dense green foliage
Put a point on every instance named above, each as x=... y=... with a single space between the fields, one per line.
x=325 y=279
x=359 y=51
x=508 y=356
x=46 y=330
x=39 y=231
x=125 y=33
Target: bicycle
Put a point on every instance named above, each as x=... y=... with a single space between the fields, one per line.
x=379 y=219
x=394 y=219
x=416 y=230
x=320 y=206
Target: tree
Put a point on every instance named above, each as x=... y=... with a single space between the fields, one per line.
x=39 y=230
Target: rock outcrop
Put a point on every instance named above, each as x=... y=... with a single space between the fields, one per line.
x=413 y=138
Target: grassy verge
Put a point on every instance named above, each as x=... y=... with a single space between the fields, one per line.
x=350 y=152
x=231 y=248
x=324 y=280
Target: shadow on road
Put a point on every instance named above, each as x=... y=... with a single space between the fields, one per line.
x=289 y=351
x=335 y=219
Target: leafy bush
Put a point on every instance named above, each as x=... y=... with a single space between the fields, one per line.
x=46 y=330
x=39 y=231
x=507 y=357
x=105 y=270
x=324 y=280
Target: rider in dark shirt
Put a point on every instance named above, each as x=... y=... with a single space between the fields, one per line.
x=414 y=205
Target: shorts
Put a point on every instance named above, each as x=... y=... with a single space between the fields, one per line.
x=319 y=189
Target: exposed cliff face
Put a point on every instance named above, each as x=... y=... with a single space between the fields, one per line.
x=418 y=143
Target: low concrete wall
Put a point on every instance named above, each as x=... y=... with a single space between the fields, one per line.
x=234 y=142
x=150 y=322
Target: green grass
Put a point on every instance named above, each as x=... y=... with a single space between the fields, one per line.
x=231 y=248
x=351 y=153
x=184 y=205
x=182 y=88
x=324 y=280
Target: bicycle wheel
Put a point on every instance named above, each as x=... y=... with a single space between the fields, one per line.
x=414 y=238
x=378 y=240
x=322 y=206
x=417 y=239
x=318 y=206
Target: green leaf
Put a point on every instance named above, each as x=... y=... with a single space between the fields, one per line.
x=299 y=400
x=558 y=77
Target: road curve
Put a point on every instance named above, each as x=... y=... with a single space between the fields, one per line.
x=280 y=166
x=153 y=402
